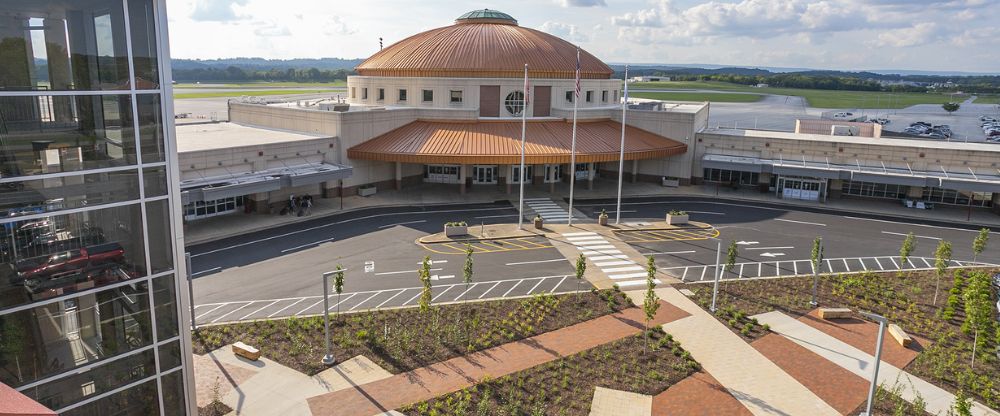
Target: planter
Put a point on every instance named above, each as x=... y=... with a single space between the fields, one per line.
x=456 y=230
x=603 y=219
x=677 y=219
x=538 y=223
x=671 y=183
x=366 y=191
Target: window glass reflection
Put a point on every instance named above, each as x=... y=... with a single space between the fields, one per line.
x=140 y=400
x=161 y=254
x=173 y=394
x=141 y=21
x=68 y=192
x=98 y=380
x=150 y=128
x=42 y=258
x=60 y=45
x=56 y=337
x=53 y=134
x=166 y=308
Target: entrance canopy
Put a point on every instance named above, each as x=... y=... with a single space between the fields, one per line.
x=967 y=180
x=239 y=184
x=499 y=142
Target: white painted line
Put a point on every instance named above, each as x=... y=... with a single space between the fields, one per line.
x=586 y=238
x=801 y=222
x=432 y=262
x=626 y=276
x=918 y=236
x=391 y=298
x=912 y=266
x=607 y=257
x=829 y=266
x=258 y=310
x=707 y=212
x=863 y=265
x=317 y=303
x=657 y=253
x=230 y=312
x=534 y=262
x=623 y=269
x=363 y=302
x=442 y=277
x=405 y=271
x=777 y=268
x=895 y=264
x=419 y=291
x=683 y=276
x=585 y=244
x=557 y=284
x=576 y=234
x=845 y=264
x=496 y=216
x=878 y=263
x=442 y=292
x=515 y=285
x=465 y=291
x=600 y=255
x=703 y=270
x=622 y=211
x=614 y=263
x=210 y=311
x=769 y=248
x=535 y=286
x=604 y=247
x=926 y=262
x=635 y=283
x=402 y=223
x=286 y=307
x=760 y=269
x=741 y=271
x=206 y=271
x=491 y=288
x=795 y=267
x=917 y=225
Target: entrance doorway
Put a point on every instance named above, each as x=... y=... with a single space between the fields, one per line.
x=801 y=188
x=553 y=173
x=442 y=174
x=484 y=174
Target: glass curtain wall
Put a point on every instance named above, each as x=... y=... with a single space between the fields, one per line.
x=89 y=311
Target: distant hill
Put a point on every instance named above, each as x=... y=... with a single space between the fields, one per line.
x=257 y=64
x=782 y=70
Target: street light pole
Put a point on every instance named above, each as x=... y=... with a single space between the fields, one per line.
x=715 y=286
x=328 y=358
x=878 y=358
x=817 y=264
x=190 y=273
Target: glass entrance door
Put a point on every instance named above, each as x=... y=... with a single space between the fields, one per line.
x=484 y=174
x=553 y=173
x=800 y=188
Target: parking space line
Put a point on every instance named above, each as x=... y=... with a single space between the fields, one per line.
x=363 y=302
x=411 y=299
x=926 y=262
x=405 y=271
x=512 y=242
x=535 y=286
x=795 y=267
x=863 y=265
x=557 y=284
x=683 y=276
x=741 y=271
x=310 y=306
x=442 y=293
x=465 y=291
x=286 y=307
x=760 y=269
x=391 y=298
x=488 y=290
x=512 y=287
x=878 y=263
x=258 y=310
x=912 y=266
x=703 y=270
x=210 y=311
x=845 y=264
x=230 y=312
x=341 y=301
x=895 y=264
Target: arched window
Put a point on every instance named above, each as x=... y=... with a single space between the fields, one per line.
x=514 y=103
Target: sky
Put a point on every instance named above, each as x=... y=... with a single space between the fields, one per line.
x=931 y=35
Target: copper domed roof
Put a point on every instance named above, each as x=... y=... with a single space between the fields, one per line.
x=483 y=44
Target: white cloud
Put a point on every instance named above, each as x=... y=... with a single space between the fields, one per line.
x=919 y=34
x=217 y=10
x=335 y=26
x=271 y=29
x=564 y=30
x=582 y=3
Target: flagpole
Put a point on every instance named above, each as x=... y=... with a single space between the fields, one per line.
x=520 y=173
x=572 y=150
x=621 y=157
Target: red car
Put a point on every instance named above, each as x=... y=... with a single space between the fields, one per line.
x=76 y=259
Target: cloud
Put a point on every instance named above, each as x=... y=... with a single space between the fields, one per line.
x=565 y=31
x=271 y=29
x=918 y=34
x=335 y=26
x=582 y=3
x=217 y=10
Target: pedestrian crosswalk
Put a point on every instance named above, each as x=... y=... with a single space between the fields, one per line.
x=547 y=209
x=609 y=259
x=783 y=268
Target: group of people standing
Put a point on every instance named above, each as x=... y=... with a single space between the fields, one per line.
x=298 y=205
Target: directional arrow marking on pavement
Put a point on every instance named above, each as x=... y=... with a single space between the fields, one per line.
x=772 y=254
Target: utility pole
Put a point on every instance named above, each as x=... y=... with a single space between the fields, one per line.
x=328 y=359
x=718 y=273
x=878 y=358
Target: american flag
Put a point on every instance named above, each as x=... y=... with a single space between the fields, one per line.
x=578 y=73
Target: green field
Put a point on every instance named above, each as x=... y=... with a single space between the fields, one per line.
x=816 y=98
x=239 y=93
x=987 y=99
x=209 y=84
x=719 y=97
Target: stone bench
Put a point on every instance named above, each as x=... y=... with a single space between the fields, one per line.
x=834 y=313
x=900 y=336
x=246 y=351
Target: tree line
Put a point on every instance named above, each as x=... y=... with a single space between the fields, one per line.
x=237 y=74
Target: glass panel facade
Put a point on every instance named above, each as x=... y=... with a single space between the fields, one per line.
x=42 y=196
x=140 y=400
x=953 y=197
x=731 y=177
x=65 y=391
x=874 y=190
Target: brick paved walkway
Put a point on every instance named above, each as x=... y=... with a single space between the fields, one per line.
x=457 y=373
x=862 y=335
x=699 y=394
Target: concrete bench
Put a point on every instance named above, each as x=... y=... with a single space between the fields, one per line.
x=834 y=313
x=246 y=351
x=901 y=337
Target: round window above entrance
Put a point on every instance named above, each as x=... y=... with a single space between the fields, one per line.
x=514 y=103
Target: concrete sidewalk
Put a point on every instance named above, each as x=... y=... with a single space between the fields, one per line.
x=938 y=400
x=760 y=385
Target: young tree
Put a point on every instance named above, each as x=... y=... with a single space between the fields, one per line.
x=425 y=280
x=467 y=270
x=951 y=107
x=731 y=255
x=817 y=265
x=978 y=307
x=979 y=244
x=909 y=244
x=581 y=268
x=338 y=285
x=651 y=302
x=942 y=256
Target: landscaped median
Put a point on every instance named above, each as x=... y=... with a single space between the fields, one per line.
x=944 y=333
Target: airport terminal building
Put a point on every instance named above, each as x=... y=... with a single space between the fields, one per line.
x=444 y=106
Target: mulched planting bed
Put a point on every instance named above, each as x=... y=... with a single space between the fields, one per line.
x=400 y=340
x=215 y=409
x=646 y=365
x=905 y=299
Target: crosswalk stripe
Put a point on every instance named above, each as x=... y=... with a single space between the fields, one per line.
x=622 y=269
x=626 y=276
x=604 y=256
x=602 y=247
x=635 y=282
x=578 y=234
x=613 y=263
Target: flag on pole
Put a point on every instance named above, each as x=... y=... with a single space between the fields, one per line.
x=577 y=72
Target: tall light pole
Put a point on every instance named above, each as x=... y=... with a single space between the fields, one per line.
x=878 y=358
x=718 y=273
x=328 y=358
x=817 y=263
x=190 y=273
x=621 y=156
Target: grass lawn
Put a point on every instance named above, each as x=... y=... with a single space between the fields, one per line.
x=697 y=96
x=401 y=340
x=566 y=386
x=209 y=84
x=816 y=98
x=903 y=298
x=987 y=99
x=239 y=93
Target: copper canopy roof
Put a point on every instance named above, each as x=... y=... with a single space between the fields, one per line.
x=499 y=142
x=483 y=44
